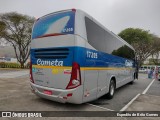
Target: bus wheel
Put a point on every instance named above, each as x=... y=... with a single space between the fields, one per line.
x=134 y=77
x=111 y=89
x=131 y=82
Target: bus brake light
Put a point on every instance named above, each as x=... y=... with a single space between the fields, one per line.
x=74 y=10
x=75 y=80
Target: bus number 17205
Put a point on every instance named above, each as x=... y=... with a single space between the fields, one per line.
x=91 y=54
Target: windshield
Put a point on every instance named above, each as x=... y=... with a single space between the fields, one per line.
x=59 y=23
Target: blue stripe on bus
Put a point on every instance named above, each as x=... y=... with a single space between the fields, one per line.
x=80 y=56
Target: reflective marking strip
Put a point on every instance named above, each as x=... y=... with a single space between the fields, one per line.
x=83 y=68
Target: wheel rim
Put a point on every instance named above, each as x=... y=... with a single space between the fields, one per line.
x=112 y=89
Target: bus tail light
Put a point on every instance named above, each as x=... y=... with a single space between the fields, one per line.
x=75 y=79
x=74 y=10
x=31 y=76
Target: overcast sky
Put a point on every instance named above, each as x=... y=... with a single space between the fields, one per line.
x=116 y=15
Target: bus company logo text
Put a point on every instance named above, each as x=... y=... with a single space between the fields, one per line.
x=49 y=63
x=128 y=63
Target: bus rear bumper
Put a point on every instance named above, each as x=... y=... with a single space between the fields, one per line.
x=59 y=95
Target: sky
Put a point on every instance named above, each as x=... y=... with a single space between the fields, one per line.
x=115 y=15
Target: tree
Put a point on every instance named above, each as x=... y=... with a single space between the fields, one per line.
x=141 y=40
x=156 y=52
x=16 y=29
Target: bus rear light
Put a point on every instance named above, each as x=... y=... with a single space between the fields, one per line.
x=75 y=82
x=69 y=95
x=75 y=79
x=31 y=76
x=74 y=10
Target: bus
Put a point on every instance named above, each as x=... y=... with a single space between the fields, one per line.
x=75 y=59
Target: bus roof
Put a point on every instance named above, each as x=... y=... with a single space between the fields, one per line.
x=98 y=23
x=58 y=12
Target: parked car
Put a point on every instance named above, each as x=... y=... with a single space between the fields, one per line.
x=142 y=70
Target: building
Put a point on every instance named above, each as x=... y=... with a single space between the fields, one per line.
x=149 y=60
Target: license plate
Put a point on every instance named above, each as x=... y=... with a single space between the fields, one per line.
x=48 y=92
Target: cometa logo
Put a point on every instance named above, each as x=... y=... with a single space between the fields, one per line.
x=49 y=63
x=128 y=63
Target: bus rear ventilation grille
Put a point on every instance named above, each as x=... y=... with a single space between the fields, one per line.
x=52 y=53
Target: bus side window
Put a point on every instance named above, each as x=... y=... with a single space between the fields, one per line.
x=95 y=35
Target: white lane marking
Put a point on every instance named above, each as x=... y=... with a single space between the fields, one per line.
x=99 y=107
x=144 y=92
x=126 y=106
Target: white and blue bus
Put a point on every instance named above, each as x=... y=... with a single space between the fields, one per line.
x=75 y=59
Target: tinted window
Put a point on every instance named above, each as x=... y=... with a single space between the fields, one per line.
x=95 y=35
x=105 y=41
x=124 y=52
x=54 y=23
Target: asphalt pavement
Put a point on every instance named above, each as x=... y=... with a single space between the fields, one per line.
x=11 y=73
x=124 y=94
x=154 y=89
x=15 y=95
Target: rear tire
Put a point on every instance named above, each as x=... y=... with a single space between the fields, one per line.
x=131 y=82
x=134 y=77
x=111 y=89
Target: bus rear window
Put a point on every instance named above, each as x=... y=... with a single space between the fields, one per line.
x=58 y=23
